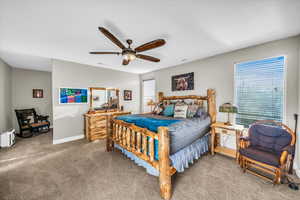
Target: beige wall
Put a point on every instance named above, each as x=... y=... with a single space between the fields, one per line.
x=218 y=72
x=23 y=81
x=68 y=119
x=5 y=96
x=297 y=157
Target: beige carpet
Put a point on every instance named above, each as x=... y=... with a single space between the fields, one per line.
x=36 y=169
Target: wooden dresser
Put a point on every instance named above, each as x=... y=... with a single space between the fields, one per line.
x=97 y=125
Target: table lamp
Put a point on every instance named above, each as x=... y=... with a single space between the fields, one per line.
x=151 y=103
x=228 y=108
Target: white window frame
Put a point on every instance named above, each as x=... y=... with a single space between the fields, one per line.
x=284 y=118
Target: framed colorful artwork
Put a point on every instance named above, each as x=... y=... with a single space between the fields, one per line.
x=127 y=95
x=37 y=93
x=183 y=82
x=73 y=95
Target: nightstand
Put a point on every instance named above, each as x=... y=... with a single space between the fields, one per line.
x=219 y=128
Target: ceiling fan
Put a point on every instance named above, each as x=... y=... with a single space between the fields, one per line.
x=128 y=53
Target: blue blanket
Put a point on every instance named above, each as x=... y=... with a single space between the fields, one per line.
x=151 y=124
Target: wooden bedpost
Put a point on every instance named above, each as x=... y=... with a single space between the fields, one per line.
x=160 y=96
x=110 y=131
x=212 y=107
x=164 y=163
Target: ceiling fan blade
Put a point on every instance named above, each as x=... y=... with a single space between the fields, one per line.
x=149 y=58
x=125 y=62
x=111 y=37
x=150 y=45
x=104 y=52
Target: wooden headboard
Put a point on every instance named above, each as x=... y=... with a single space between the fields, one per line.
x=210 y=98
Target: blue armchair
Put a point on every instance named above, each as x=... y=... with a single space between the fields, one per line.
x=268 y=148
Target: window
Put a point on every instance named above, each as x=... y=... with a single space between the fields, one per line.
x=148 y=94
x=259 y=90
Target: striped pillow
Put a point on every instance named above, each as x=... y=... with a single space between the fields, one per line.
x=192 y=110
x=180 y=111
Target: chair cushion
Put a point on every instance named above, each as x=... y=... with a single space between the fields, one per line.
x=35 y=125
x=273 y=138
x=261 y=155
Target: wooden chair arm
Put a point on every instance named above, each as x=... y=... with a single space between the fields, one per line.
x=244 y=142
x=287 y=152
x=283 y=157
x=290 y=149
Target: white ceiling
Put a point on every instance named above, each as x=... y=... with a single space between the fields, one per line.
x=32 y=32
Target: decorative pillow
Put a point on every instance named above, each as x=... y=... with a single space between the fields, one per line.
x=167 y=102
x=31 y=119
x=180 y=103
x=192 y=110
x=158 y=109
x=201 y=113
x=180 y=111
x=169 y=110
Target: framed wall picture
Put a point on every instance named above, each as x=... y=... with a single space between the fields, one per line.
x=73 y=95
x=127 y=95
x=37 y=93
x=183 y=82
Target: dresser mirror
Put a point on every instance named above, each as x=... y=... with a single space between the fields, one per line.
x=113 y=98
x=103 y=99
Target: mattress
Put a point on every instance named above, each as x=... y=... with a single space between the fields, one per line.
x=183 y=132
x=186 y=131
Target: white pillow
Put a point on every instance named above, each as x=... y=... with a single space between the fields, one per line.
x=180 y=111
x=31 y=119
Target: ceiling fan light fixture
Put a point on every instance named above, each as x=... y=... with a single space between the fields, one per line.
x=129 y=56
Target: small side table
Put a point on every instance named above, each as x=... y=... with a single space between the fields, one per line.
x=219 y=128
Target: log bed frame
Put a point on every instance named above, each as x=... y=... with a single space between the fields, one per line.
x=134 y=139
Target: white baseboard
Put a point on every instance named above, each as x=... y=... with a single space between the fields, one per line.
x=68 y=139
x=298 y=172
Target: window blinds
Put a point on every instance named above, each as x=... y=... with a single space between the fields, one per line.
x=259 y=90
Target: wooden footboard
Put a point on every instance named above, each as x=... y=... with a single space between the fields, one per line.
x=140 y=141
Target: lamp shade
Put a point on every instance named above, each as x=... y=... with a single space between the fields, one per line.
x=228 y=108
x=151 y=103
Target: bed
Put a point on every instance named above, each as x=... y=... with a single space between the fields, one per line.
x=163 y=145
